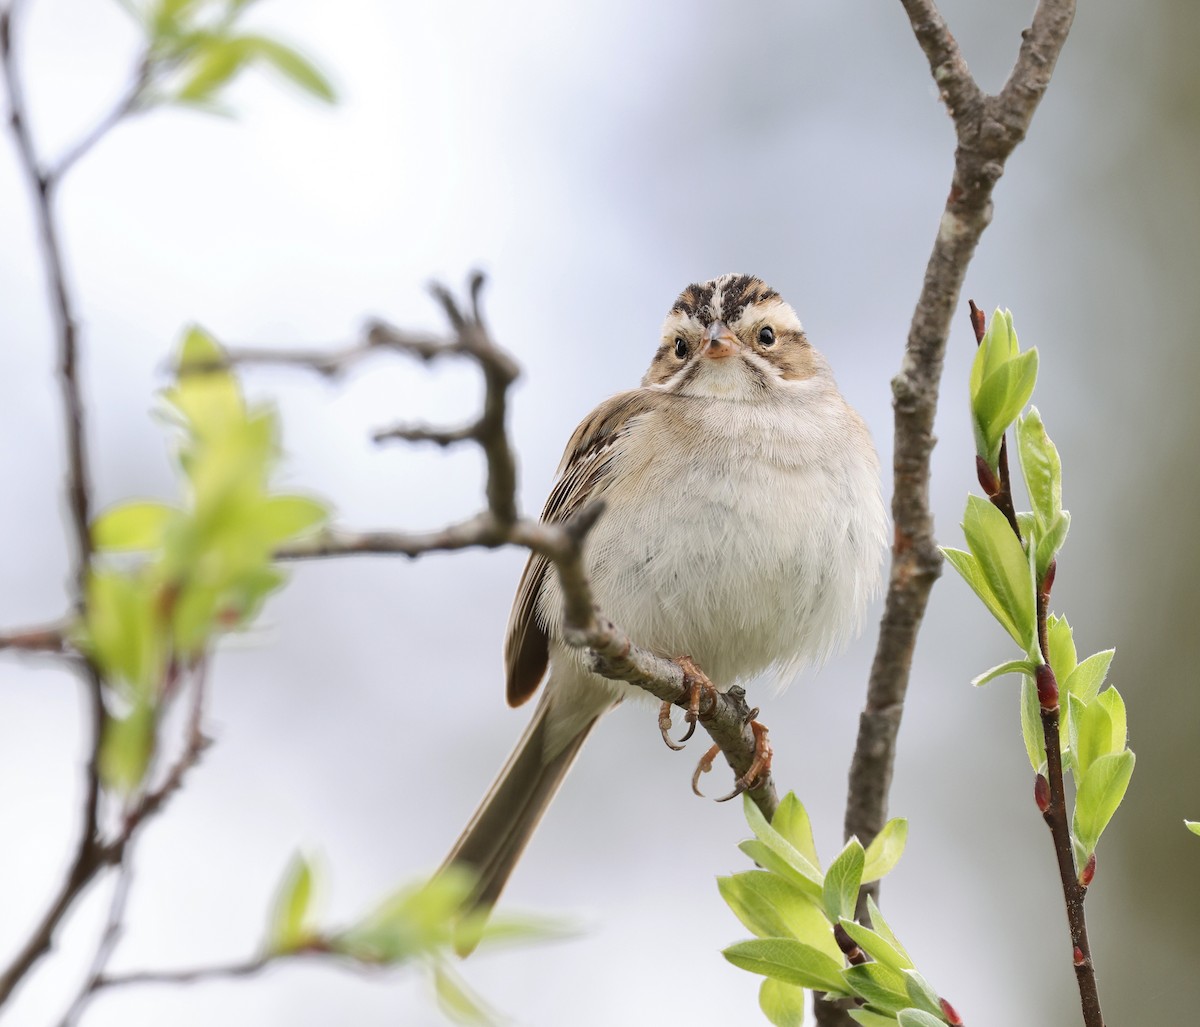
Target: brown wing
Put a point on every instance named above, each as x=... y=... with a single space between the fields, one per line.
x=581 y=478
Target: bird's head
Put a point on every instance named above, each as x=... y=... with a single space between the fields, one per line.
x=732 y=337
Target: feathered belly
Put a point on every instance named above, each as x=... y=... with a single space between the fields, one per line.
x=740 y=572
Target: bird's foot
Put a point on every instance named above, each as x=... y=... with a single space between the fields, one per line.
x=698 y=688
x=759 y=767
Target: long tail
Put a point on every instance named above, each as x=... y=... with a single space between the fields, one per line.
x=502 y=826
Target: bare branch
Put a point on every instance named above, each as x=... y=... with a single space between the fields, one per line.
x=130 y=103
x=988 y=129
x=245 y=968
x=121 y=849
x=90 y=855
x=47 y=638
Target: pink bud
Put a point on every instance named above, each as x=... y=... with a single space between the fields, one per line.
x=1048 y=579
x=949 y=1013
x=1078 y=956
x=1041 y=793
x=1089 y=871
x=987 y=477
x=1047 y=688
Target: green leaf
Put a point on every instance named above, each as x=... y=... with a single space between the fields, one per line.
x=209 y=400
x=842 y=881
x=132 y=526
x=1001 y=397
x=457 y=1000
x=969 y=568
x=122 y=629
x=885 y=850
x=879 y=985
x=921 y=993
x=1085 y=680
x=213 y=65
x=291 y=65
x=781 y=1003
x=1050 y=542
x=771 y=907
x=1005 y=567
x=918 y=1018
x=414 y=922
x=996 y=348
x=876 y=945
x=1091 y=733
x=1041 y=468
x=880 y=926
x=287 y=929
x=1100 y=792
x=869 y=1019
x=1005 y=393
x=521 y=928
x=792 y=822
x=1061 y=639
x=1193 y=826
x=789 y=961
x=1011 y=667
x=1111 y=700
x=194 y=618
x=126 y=745
x=802 y=872
x=1032 y=730
x=282 y=518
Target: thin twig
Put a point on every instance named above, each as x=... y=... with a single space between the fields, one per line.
x=46 y=638
x=988 y=128
x=121 y=848
x=129 y=103
x=90 y=856
x=244 y=968
x=113 y=927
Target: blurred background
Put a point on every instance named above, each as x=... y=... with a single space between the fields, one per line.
x=594 y=158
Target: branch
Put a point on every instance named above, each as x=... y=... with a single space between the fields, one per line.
x=246 y=968
x=988 y=129
x=89 y=856
x=129 y=103
x=150 y=803
x=47 y=638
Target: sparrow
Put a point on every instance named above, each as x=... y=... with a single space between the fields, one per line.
x=744 y=528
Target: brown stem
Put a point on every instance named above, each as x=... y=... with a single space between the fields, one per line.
x=90 y=856
x=988 y=129
x=1055 y=815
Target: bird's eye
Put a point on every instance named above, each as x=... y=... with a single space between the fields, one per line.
x=766 y=336
x=680 y=347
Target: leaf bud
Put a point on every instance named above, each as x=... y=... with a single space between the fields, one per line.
x=1041 y=792
x=987 y=477
x=848 y=945
x=1089 y=871
x=1047 y=688
x=951 y=1015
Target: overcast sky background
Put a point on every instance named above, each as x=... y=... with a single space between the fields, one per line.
x=594 y=158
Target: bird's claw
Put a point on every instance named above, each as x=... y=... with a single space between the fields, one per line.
x=698 y=688
x=703 y=767
x=759 y=767
x=664 y=727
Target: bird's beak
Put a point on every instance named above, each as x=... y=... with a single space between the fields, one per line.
x=719 y=342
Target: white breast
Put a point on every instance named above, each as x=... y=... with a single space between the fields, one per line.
x=752 y=540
